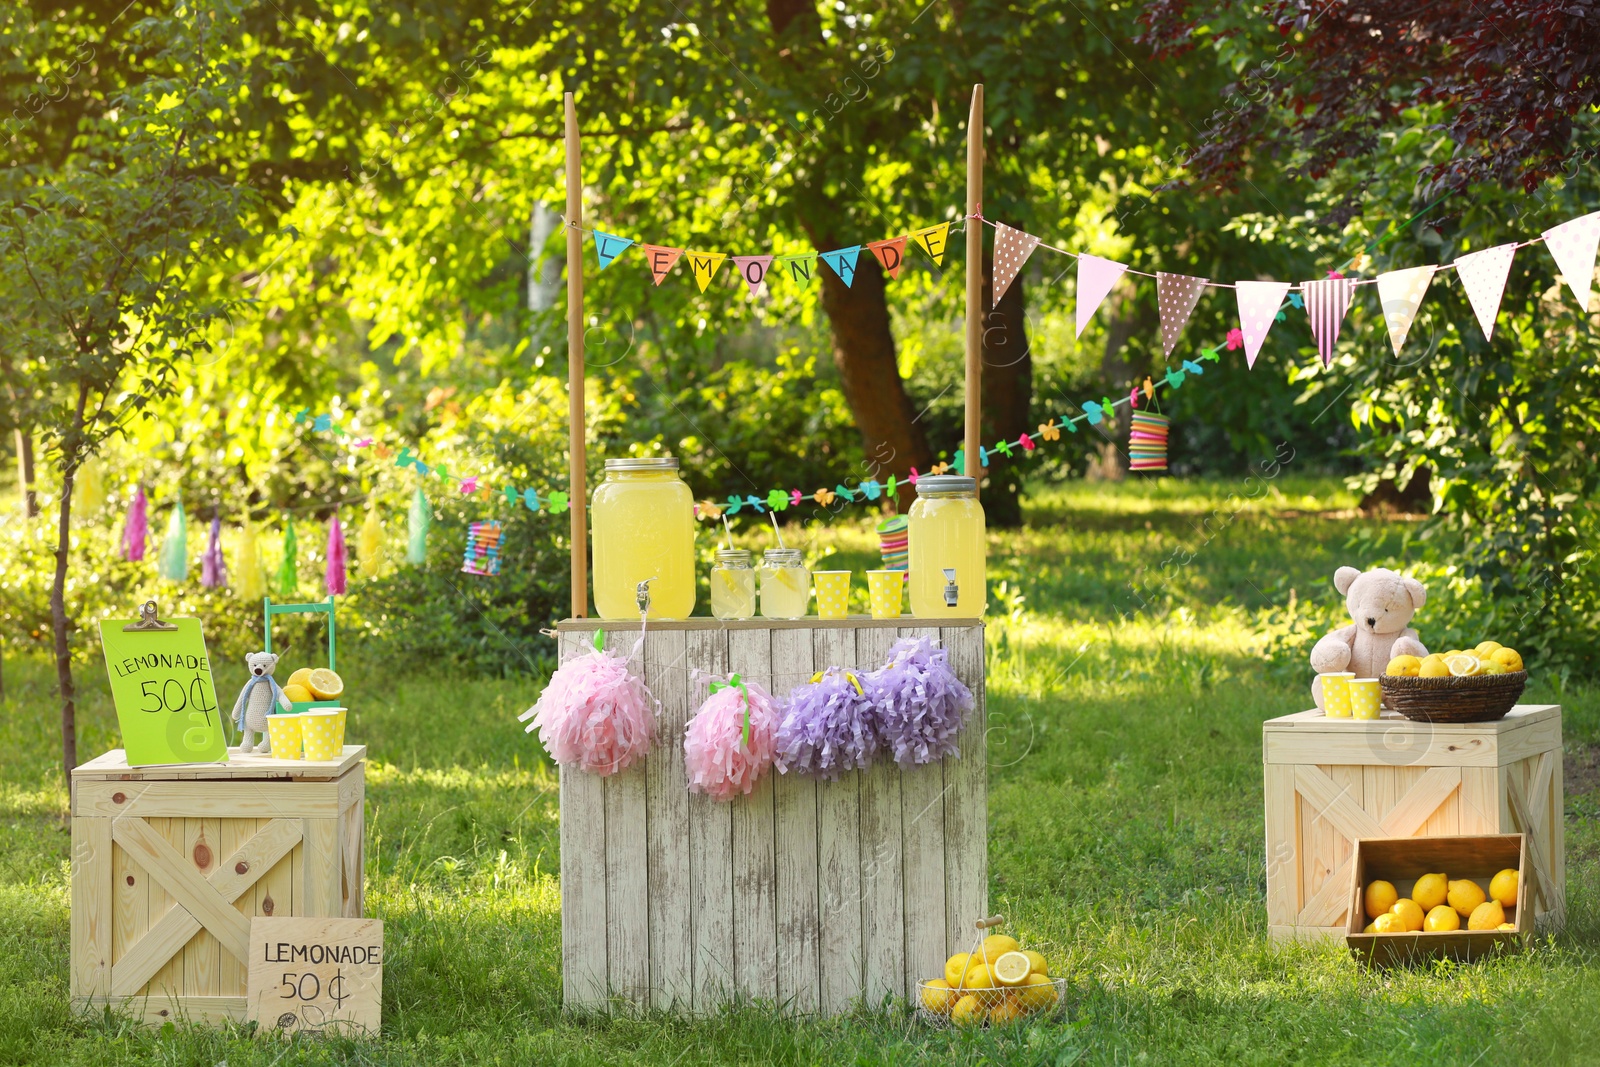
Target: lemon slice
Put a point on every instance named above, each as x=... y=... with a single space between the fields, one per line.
x=1012 y=968
x=325 y=685
x=1463 y=666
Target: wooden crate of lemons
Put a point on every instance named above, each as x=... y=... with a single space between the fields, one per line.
x=1000 y=984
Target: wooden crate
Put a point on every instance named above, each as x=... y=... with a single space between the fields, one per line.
x=1329 y=782
x=805 y=894
x=1401 y=861
x=169 y=864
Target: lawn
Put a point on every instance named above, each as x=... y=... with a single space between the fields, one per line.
x=1126 y=835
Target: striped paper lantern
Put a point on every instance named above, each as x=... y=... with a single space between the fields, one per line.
x=893 y=540
x=1147 y=442
x=482 y=555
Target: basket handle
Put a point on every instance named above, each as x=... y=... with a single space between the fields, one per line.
x=993 y=920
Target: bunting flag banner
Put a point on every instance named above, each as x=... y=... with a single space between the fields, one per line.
x=1327 y=299
x=1400 y=293
x=753 y=269
x=1012 y=247
x=662 y=260
x=703 y=265
x=608 y=246
x=934 y=241
x=1258 y=309
x=1483 y=276
x=1176 y=297
x=801 y=268
x=1573 y=244
x=1096 y=276
x=890 y=254
x=843 y=262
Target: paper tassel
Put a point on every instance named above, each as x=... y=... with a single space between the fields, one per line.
x=595 y=714
x=289 y=570
x=1258 y=309
x=1096 y=276
x=1176 y=297
x=715 y=756
x=661 y=260
x=174 y=562
x=334 y=576
x=370 y=545
x=830 y=726
x=920 y=702
x=213 y=571
x=1573 y=244
x=1483 y=276
x=89 y=489
x=934 y=241
x=842 y=261
x=136 y=529
x=753 y=269
x=703 y=265
x=1400 y=294
x=1327 y=300
x=890 y=254
x=252 y=583
x=608 y=246
x=419 y=520
x=1012 y=247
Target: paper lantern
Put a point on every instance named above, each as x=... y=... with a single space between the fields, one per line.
x=1147 y=442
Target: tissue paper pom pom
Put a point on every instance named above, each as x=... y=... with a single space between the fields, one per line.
x=594 y=713
x=829 y=726
x=920 y=702
x=713 y=746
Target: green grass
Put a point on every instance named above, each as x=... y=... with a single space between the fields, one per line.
x=1126 y=835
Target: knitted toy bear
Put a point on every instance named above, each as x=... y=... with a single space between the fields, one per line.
x=255 y=701
x=1381 y=603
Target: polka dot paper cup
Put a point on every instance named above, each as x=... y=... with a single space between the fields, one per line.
x=833 y=593
x=1336 y=695
x=886 y=592
x=284 y=733
x=324 y=733
x=1366 y=695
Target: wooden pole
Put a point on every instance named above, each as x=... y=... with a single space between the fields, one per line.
x=578 y=489
x=974 y=284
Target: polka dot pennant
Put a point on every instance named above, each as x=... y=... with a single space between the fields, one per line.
x=1176 y=296
x=1483 y=276
x=1012 y=247
x=1326 y=302
x=1096 y=276
x=1573 y=244
x=1258 y=306
x=1400 y=293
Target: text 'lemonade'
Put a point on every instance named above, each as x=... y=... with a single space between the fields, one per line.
x=643 y=517
x=946 y=532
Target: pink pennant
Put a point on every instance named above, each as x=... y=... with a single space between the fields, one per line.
x=1573 y=244
x=753 y=269
x=1258 y=308
x=1483 y=276
x=1096 y=276
x=891 y=255
x=661 y=260
x=1326 y=302
x=1176 y=296
x=1012 y=247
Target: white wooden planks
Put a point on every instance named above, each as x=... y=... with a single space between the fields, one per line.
x=795 y=828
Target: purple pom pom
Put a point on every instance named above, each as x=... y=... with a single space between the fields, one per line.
x=829 y=728
x=920 y=703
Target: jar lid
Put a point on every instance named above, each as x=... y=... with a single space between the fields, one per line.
x=733 y=555
x=946 y=483
x=646 y=463
x=782 y=555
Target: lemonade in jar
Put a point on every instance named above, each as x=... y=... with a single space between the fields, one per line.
x=947 y=549
x=733 y=585
x=643 y=518
x=785 y=584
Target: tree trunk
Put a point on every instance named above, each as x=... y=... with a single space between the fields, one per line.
x=1007 y=394
x=71 y=445
x=30 y=496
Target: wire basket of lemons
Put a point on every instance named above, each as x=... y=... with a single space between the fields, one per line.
x=998 y=983
x=1476 y=685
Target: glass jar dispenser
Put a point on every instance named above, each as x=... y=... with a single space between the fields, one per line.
x=947 y=549
x=643 y=529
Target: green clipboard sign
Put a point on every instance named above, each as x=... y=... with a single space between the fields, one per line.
x=161 y=685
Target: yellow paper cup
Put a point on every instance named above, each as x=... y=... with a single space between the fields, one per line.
x=833 y=593
x=324 y=732
x=886 y=591
x=284 y=733
x=1366 y=695
x=1336 y=695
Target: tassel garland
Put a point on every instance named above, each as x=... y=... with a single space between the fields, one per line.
x=920 y=703
x=173 y=564
x=89 y=488
x=595 y=714
x=213 y=571
x=829 y=727
x=289 y=569
x=252 y=584
x=136 y=530
x=370 y=545
x=729 y=743
x=420 y=518
x=334 y=578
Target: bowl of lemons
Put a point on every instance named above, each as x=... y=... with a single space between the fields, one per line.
x=1462 y=685
x=999 y=985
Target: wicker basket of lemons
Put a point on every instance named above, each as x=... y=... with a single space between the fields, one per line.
x=1476 y=685
x=997 y=984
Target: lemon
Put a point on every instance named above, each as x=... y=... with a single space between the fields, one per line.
x=1369 y=929
x=1404 y=667
x=1433 y=667
x=1465 y=895
x=1037 y=959
x=1388 y=923
x=325 y=684
x=1006 y=1012
x=1410 y=912
x=1503 y=887
x=1464 y=665
x=1509 y=658
x=937 y=997
x=1486 y=649
x=978 y=976
x=955 y=967
x=1380 y=898
x=1508 y=926
x=297 y=694
x=301 y=677
x=1489 y=666
x=1430 y=890
x=1441 y=918
x=1487 y=916
x=967 y=1012
x=1036 y=993
x=997 y=945
x=1012 y=969
x=1452 y=652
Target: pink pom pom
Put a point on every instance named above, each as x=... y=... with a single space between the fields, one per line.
x=714 y=754
x=595 y=713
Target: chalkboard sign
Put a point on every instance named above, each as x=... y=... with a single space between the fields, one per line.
x=161 y=685
x=316 y=975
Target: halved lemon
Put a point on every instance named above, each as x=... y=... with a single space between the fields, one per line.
x=301 y=677
x=325 y=685
x=1463 y=666
x=1012 y=968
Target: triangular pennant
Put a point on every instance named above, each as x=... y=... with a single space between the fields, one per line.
x=1483 y=276
x=609 y=246
x=934 y=241
x=891 y=254
x=1327 y=299
x=1258 y=308
x=661 y=259
x=1573 y=245
x=1400 y=293
x=843 y=262
x=801 y=268
x=1012 y=247
x=703 y=265
x=1176 y=296
x=1096 y=276
x=753 y=269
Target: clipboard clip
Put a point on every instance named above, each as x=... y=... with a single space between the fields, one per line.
x=148 y=620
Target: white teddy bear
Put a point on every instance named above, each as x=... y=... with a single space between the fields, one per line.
x=255 y=701
x=1381 y=603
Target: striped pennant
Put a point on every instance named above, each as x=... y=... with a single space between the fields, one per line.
x=1326 y=302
